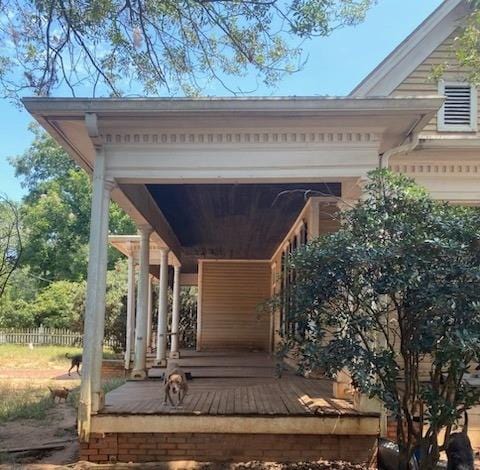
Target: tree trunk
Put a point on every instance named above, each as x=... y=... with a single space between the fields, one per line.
x=430 y=453
x=403 y=459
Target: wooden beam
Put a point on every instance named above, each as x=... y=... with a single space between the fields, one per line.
x=139 y=196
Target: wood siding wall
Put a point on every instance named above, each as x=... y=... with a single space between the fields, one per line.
x=231 y=292
x=420 y=81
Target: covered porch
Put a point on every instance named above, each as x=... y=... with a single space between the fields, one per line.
x=237 y=408
x=221 y=191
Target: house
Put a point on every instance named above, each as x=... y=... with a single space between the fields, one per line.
x=217 y=188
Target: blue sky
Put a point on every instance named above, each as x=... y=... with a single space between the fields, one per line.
x=336 y=64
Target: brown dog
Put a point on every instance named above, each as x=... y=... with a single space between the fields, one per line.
x=60 y=393
x=175 y=382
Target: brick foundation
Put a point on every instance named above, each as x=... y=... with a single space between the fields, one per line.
x=157 y=447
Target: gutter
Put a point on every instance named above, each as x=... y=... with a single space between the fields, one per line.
x=408 y=145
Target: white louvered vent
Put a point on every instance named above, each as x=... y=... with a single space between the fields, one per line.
x=458 y=112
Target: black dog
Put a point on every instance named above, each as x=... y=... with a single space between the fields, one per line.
x=459 y=449
x=76 y=361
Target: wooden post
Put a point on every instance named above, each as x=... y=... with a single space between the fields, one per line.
x=149 y=315
x=130 y=327
x=161 y=358
x=174 y=352
x=90 y=391
x=139 y=369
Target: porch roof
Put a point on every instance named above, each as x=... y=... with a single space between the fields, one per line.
x=151 y=142
x=64 y=118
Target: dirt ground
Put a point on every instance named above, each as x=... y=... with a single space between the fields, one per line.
x=57 y=426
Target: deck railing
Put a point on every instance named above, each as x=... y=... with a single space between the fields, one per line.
x=46 y=336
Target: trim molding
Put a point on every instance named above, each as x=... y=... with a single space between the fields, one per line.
x=446 y=169
x=209 y=138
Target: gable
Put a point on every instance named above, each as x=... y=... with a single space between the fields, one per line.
x=414 y=50
x=421 y=81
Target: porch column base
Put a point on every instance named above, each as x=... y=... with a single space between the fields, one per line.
x=174 y=355
x=160 y=362
x=98 y=400
x=139 y=374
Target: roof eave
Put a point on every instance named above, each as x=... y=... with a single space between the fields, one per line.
x=75 y=107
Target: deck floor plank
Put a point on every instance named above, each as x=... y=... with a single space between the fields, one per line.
x=276 y=402
x=230 y=398
x=231 y=383
x=217 y=394
x=266 y=400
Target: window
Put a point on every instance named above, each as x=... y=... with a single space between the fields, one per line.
x=459 y=111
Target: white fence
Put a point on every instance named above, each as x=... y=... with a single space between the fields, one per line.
x=45 y=336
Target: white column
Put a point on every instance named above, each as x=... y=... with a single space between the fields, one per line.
x=139 y=369
x=161 y=358
x=149 y=315
x=130 y=326
x=174 y=353
x=90 y=389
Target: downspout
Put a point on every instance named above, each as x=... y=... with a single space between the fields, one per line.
x=408 y=145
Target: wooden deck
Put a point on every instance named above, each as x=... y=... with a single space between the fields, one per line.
x=231 y=384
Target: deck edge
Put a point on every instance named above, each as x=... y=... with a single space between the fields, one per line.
x=320 y=425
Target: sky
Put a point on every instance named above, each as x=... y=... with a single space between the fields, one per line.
x=335 y=66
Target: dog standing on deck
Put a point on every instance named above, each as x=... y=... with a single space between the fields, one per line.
x=175 y=382
x=76 y=360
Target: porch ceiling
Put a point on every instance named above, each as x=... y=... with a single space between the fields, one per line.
x=233 y=221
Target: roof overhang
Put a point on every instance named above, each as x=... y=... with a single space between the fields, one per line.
x=393 y=118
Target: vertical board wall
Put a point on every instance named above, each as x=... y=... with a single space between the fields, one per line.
x=230 y=295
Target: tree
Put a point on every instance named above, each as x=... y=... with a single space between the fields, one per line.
x=59 y=305
x=393 y=291
x=171 y=45
x=56 y=212
x=49 y=287
x=10 y=241
x=466 y=48
x=16 y=304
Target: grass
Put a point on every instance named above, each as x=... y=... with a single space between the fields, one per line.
x=17 y=356
x=23 y=400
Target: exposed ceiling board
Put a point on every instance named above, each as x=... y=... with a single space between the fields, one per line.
x=233 y=221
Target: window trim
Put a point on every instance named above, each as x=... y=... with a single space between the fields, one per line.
x=472 y=127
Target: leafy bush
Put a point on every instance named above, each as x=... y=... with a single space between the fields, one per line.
x=393 y=291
